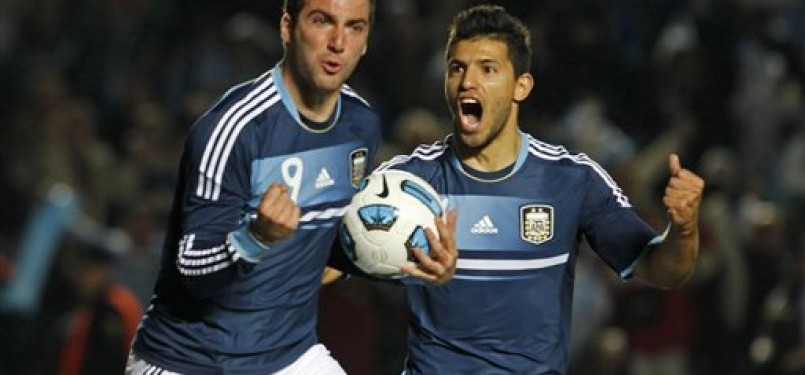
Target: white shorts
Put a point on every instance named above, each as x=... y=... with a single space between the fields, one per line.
x=315 y=361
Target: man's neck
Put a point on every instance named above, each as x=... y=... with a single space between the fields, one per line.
x=314 y=104
x=497 y=155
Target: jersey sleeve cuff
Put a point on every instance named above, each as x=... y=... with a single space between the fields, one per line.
x=627 y=273
x=246 y=245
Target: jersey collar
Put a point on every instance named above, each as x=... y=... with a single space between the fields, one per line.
x=483 y=177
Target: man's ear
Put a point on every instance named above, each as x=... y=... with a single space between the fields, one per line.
x=286 y=28
x=523 y=86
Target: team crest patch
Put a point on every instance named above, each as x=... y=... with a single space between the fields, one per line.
x=536 y=223
x=357 y=165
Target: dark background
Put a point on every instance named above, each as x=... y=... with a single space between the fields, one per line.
x=96 y=96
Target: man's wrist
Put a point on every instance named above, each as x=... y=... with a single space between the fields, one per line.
x=688 y=229
x=258 y=236
x=247 y=245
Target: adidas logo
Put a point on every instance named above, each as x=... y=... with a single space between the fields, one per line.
x=324 y=180
x=484 y=226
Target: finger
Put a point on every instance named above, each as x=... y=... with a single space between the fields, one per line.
x=686 y=191
x=686 y=178
x=426 y=269
x=444 y=246
x=281 y=220
x=444 y=254
x=674 y=204
x=288 y=214
x=297 y=214
x=434 y=242
x=412 y=270
x=425 y=261
x=330 y=275
x=447 y=232
x=681 y=198
x=689 y=192
x=271 y=196
x=280 y=212
x=279 y=201
x=692 y=180
x=681 y=209
x=675 y=191
x=674 y=165
x=443 y=251
x=430 y=266
x=284 y=203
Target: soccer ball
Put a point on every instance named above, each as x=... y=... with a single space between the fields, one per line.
x=386 y=219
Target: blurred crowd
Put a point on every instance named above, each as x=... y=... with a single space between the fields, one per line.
x=97 y=95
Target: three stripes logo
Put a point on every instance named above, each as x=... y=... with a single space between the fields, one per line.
x=324 y=180
x=484 y=226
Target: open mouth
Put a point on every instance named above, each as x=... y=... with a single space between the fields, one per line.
x=331 y=67
x=470 y=110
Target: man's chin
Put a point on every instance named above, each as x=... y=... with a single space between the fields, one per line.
x=328 y=84
x=331 y=81
x=472 y=140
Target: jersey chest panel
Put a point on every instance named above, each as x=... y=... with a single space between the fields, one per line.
x=315 y=176
x=318 y=168
x=515 y=228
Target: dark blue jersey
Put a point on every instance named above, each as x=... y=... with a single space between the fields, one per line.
x=224 y=303
x=507 y=309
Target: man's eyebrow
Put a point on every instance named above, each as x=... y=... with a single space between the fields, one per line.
x=333 y=18
x=488 y=60
x=481 y=61
x=319 y=12
x=357 y=21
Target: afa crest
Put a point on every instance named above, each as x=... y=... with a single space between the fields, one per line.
x=536 y=223
x=357 y=165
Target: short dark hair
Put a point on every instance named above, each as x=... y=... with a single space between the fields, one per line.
x=293 y=7
x=492 y=21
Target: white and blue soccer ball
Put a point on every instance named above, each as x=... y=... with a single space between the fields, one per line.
x=386 y=219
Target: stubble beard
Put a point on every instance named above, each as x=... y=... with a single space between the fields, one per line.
x=475 y=143
x=310 y=76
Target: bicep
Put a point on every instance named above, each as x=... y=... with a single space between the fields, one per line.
x=612 y=227
x=619 y=237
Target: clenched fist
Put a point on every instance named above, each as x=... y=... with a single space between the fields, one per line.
x=277 y=215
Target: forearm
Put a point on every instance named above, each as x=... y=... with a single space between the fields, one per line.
x=208 y=259
x=205 y=270
x=672 y=262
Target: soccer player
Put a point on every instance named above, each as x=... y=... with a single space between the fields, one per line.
x=523 y=206
x=264 y=178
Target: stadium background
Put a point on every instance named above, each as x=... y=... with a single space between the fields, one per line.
x=96 y=96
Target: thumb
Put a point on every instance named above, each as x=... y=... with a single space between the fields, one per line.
x=674 y=164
